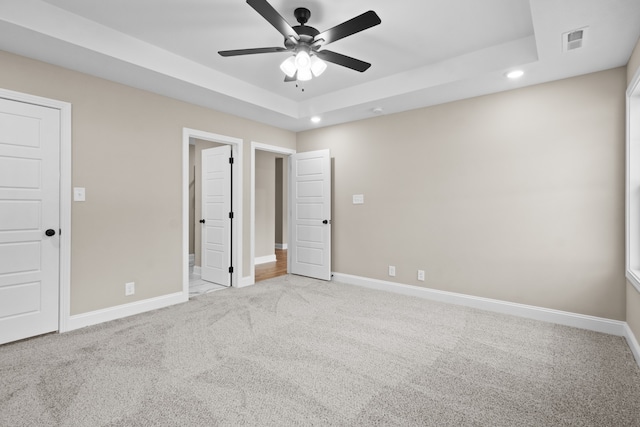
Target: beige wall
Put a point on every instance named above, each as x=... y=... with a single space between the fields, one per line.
x=517 y=196
x=127 y=152
x=265 y=203
x=196 y=215
x=282 y=202
x=633 y=297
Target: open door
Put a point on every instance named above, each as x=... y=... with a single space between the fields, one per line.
x=216 y=215
x=310 y=220
x=29 y=220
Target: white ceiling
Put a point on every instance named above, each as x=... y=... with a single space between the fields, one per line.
x=425 y=52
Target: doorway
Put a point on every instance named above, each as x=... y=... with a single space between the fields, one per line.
x=268 y=232
x=271 y=215
x=209 y=228
x=192 y=141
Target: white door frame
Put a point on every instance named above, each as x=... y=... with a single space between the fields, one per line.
x=64 y=303
x=236 y=228
x=272 y=149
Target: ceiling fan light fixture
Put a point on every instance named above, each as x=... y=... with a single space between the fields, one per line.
x=304 y=74
x=317 y=66
x=303 y=61
x=303 y=42
x=289 y=66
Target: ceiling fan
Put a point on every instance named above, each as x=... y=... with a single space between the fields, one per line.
x=305 y=42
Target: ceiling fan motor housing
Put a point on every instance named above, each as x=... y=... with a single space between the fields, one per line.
x=302 y=15
x=305 y=32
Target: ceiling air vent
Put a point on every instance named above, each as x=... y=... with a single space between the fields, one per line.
x=573 y=40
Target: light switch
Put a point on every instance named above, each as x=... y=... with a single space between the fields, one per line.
x=78 y=194
x=358 y=199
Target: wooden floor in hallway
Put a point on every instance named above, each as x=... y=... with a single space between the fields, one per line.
x=273 y=269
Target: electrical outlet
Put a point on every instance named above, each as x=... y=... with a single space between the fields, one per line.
x=392 y=270
x=129 y=288
x=421 y=275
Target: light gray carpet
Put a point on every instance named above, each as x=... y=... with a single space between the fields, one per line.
x=296 y=351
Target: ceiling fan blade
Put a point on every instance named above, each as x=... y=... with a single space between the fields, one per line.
x=345 y=61
x=355 y=25
x=252 y=51
x=274 y=18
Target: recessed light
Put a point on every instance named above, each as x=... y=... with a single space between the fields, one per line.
x=515 y=74
x=377 y=110
x=316 y=119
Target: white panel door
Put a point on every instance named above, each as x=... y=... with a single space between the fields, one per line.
x=310 y=192
x=29 y=212
x=216 y=207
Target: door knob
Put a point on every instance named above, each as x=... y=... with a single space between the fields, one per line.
x=202 y=221
x=50 y=232
x=325 y=221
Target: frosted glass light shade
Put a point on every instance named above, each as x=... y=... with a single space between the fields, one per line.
x=289 y=66
x=303 y=61
x=304 y=65
x=317 y=66
x=304 y=74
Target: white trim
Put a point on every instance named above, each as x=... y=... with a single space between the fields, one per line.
x=264 y=259
x=632 y=178
x=64 y=298
x=592 y=323
x=112 y=313
x=281 y=246
x=65 y=216
x=237 y=252
x=197 y=270
x=634 y=83
x=272 y=149
x=633 y=342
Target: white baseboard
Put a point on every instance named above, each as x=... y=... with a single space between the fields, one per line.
x=112 y=313
x=592 y=323
x=197 y=270
x=633 y=343
x=281 y=246
x=192 y=260
x=265 y=259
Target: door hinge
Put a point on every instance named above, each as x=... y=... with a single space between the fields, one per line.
x=230 y=269
x=231 y=215
x=231 y=160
